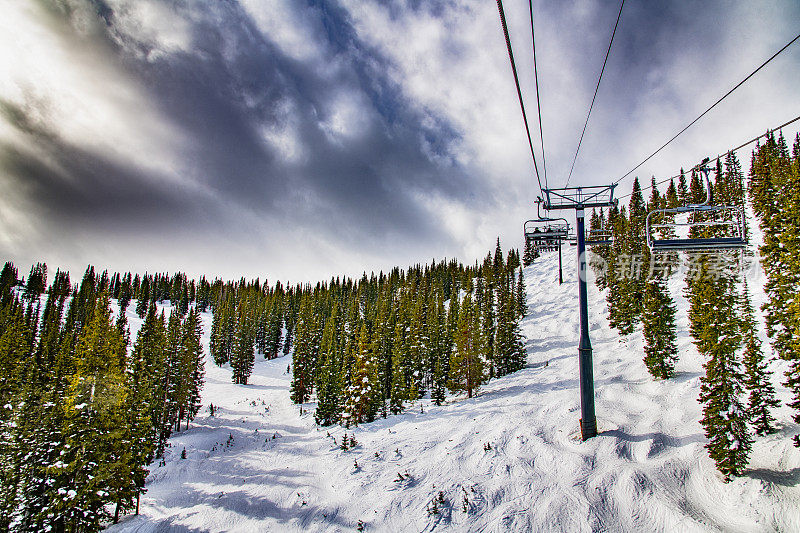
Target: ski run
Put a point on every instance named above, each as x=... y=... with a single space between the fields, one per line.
x=510 y=459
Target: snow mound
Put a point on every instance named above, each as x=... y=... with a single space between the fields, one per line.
x=509 y=459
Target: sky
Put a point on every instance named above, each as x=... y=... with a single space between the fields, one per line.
x=304 y=139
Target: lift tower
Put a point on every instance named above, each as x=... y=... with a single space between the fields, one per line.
x=579 y=199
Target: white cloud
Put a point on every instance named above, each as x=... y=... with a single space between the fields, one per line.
x=290 y=28
x=154 y=24
x=66 y=84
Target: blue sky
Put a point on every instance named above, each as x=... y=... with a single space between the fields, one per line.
x=299 y=139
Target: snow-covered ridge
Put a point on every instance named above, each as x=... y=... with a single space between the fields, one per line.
x=508 y=460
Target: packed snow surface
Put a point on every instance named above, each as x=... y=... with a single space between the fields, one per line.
x=510 y=459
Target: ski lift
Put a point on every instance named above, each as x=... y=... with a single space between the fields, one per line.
x=728 y=220
x=546 y=233
x=599 y=237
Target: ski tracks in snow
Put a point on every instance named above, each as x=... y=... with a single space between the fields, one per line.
x=509 y=459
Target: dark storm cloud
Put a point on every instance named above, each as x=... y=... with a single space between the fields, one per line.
x=84 y=190
x=300 y=136
x=221 y=94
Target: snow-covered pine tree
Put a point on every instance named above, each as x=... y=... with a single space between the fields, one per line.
x=176 y=387
x=274 y=326
x=14 y=352
x=757 y=380
x=505 y=348
x=192 y=366
x=716 y=334
x=304 y=356
x=417 y=345
x=467 y=371
x=487 y=293
x=400 y=389
x=658 y=314
x=243 y=354
x=621 y=307
x=440 y=344
x=328 y=380
x=659 y=329
x=529 y=254
x=362 y=398
x=775 y=196
x=521 y=296
x=97 y=455
x=143 y=297
x=218 y=345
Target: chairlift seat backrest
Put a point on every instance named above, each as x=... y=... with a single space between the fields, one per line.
x=728 y=219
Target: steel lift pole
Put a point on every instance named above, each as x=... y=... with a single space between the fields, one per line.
x=560 y=272
x=588 y=418
x=578 y=199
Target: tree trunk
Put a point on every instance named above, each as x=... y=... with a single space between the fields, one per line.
x=116 y=513
x=137 y=502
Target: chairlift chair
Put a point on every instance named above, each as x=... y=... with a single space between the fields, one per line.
x=546 y=233
x=599 y=237
x=729 y=219
x=593 y=238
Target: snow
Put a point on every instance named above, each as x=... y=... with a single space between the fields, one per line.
x=509 y=459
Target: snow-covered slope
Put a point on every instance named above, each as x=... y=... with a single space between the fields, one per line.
x=508 y=460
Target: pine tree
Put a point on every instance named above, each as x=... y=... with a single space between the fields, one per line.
x=521 y=296
x=219 y=344
x=174 y=384
x=304 y=357
x=775 y=197
x=97 y=454
x=529 y=254
x=416 y=345
x=466 y=363
x=192 y=367
x=400 y=390
x=716 y=334
x=8 y=279
x=621 y=299
x=143 y=296
x=274 y=326
x=757 y=375
x=658 y=311
x=243 y=354
x=659 y=329
x=328 y=380
x=37 y=281
x=361 y=398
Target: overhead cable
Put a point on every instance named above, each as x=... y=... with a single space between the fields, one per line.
x=751 y=141
x=599 y=79
x=631 y=171
x=538 y=101
x=519 y=91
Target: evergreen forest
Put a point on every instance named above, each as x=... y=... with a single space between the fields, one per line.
x=86 y=408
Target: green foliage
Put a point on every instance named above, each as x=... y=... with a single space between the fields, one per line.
x=81 y=416
x=774 y=189
x=716 y=332
x=758 y=378
x=658 y=321
x=306 y=350
x=467 y=367
x=361 y=399
x=37 y=281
